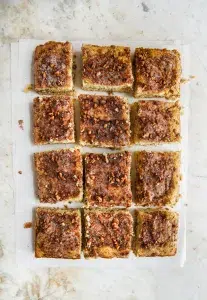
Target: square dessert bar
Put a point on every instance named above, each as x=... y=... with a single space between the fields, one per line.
x=107 y=179
x=108 y=233
x=57 y=233
x=53 y=68
x=53 y=120
x=59 y=175
x=155 y=122
x=157 y=73
x=106 y=68
x=104 y=121
x=157 y=178
x=156 y=233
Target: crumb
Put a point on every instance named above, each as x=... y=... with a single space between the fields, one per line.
x=186 y=204
x=110 y=93
x=28 y=88
x=186 y=80
x=27 y=225
x=21 y=124
x=20 y=172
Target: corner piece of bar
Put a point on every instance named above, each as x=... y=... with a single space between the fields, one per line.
x=53 y=120
x=156 y=233
x=107 y=179
x=107 y=68
x=58 y=233
x=157 y=73
x=53 y=68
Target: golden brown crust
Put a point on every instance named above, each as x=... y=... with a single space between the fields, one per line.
x=107 y=179
x=157 y=73
x=157 y=178
x=59 y=175
x=57 y=233
x=53 y=68
x=108 y=233
x=53 y=120
x=156 y=233
x=107 y=68
x=104 y=121
x=155 y=122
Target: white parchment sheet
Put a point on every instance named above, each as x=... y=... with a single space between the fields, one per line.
x=23 y=150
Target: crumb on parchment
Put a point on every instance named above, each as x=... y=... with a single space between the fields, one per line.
x=29 y=87
x=27 y=225
x=21 y=124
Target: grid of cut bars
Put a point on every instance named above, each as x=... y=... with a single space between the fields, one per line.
x=103 y=181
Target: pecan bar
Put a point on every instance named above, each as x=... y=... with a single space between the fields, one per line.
x=53 y=120
x=104 y=121
x=57 y=233
x=155 y=122
x=107 y=179
x=108 y=233
x=157 y=178
x=157 y=73
x=156 y=233
x=59 y=175
x=53 y=68
x=107 y=68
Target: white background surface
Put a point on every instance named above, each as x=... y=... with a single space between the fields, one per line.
x=152 y=20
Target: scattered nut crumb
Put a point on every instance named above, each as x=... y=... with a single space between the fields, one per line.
x=28 y=88
x=21 y=124
x=20 y=172
x=28 y=225
x=185 y=80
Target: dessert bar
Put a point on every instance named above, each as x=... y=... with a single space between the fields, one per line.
x=53 y=120
x=107 y=68
x=104 y=121
x=59 y=175
x=108 y=233
x=157 y=73
x=57 y=233
x=53 y=68
x=156 y=233
x=107 y=179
